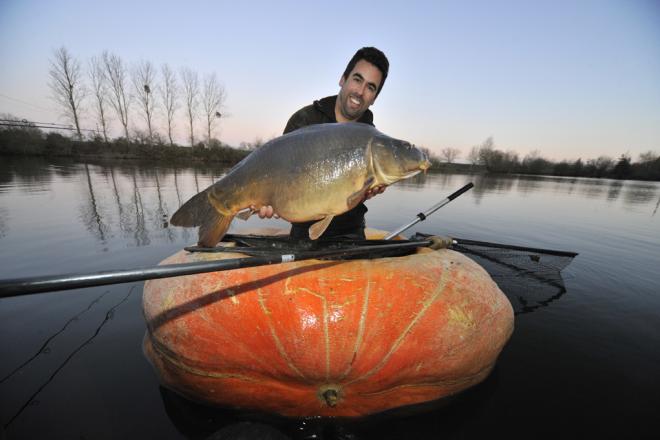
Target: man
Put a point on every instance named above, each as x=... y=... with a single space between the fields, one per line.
x=360 y=84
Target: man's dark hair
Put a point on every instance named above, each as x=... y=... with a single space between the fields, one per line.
x=373 y=56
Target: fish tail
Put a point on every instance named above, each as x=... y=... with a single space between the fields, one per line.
x=194 y=212
x=213 y=229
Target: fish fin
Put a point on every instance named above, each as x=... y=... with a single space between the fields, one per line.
x=358 y=195
x=318 y=228
x=194 y=211
x=213 y=229
x=200 y=211
x=245 y=214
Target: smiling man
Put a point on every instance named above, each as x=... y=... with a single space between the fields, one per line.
x=360 y=84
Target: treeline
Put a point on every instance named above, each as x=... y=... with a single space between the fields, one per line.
x=106 y=88
x=498 y=161
x=23 y=139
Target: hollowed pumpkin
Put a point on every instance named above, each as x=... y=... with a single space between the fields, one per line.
x=327 y=338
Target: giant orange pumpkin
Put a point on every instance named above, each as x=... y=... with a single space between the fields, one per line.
x=327 y=338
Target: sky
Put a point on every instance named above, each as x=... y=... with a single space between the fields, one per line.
x=569 y=79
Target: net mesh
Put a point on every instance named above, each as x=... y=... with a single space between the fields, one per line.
x=531 y=278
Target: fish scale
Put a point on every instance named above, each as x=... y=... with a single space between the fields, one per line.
x=311 y=174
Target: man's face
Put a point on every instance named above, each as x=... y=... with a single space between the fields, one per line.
x=358 y=91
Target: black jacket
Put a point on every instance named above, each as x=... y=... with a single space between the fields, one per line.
x=349 y=224
x=320 y=112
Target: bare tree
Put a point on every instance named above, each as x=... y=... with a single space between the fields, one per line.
x=66 y=83
x=251 y=146
x=115 y=74
x=190 y=81
x=648 y=156
x=100 y=90
x=486 y=152
x=600 y=166
x=213 y=96
x=144 y=77
x=474 y=155
x=450 y=154
x=169 y=94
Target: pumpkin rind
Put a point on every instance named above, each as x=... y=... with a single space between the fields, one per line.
x=326 y=338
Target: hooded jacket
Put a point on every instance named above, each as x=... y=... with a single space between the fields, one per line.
x=350 y=224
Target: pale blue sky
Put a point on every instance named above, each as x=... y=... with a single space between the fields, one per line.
x=568 y=78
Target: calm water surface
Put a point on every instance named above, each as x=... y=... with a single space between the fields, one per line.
x=581 y=363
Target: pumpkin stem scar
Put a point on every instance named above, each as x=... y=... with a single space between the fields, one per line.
x=329 y=394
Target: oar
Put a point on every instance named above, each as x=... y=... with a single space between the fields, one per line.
x=51 y=283
x=422 y=215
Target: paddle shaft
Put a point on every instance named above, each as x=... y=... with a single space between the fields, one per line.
x=32 y=285
x=422 y=215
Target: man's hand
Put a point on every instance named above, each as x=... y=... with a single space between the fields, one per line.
x=374 y=191
x=265 y=211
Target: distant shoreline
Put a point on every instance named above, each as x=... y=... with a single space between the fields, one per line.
x=28 y=143
x=33 y=142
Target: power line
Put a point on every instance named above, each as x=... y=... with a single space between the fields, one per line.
x=25 y=103
x=24 y=123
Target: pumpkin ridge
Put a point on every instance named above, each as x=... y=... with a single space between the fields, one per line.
x=438 y=290
x=276 y=339
x=362 y=323
x=436 y=383
x=472 y=335
x=193 y=370
x=326 y=335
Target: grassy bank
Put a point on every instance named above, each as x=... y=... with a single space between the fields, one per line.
x=34 y=142
x=31 y=141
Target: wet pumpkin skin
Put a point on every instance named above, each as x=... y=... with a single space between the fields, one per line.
x=326 y=338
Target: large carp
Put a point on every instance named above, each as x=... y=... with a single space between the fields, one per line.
x=313 y=173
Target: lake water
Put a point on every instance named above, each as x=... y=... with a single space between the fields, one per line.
x=582 y=362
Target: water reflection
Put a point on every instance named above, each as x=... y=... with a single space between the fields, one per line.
x=614 y=190
x=27 y=174
x=640 y=193
x=135 y=200
x=140 y=232
x=120 y=210
x=55 y=214
x=44 y=349
x=90 y=212
x=484 y=185
x=4 y=221
x=527 y=185
x=123 y=204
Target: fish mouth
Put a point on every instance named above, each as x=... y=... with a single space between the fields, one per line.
x=425 y=165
